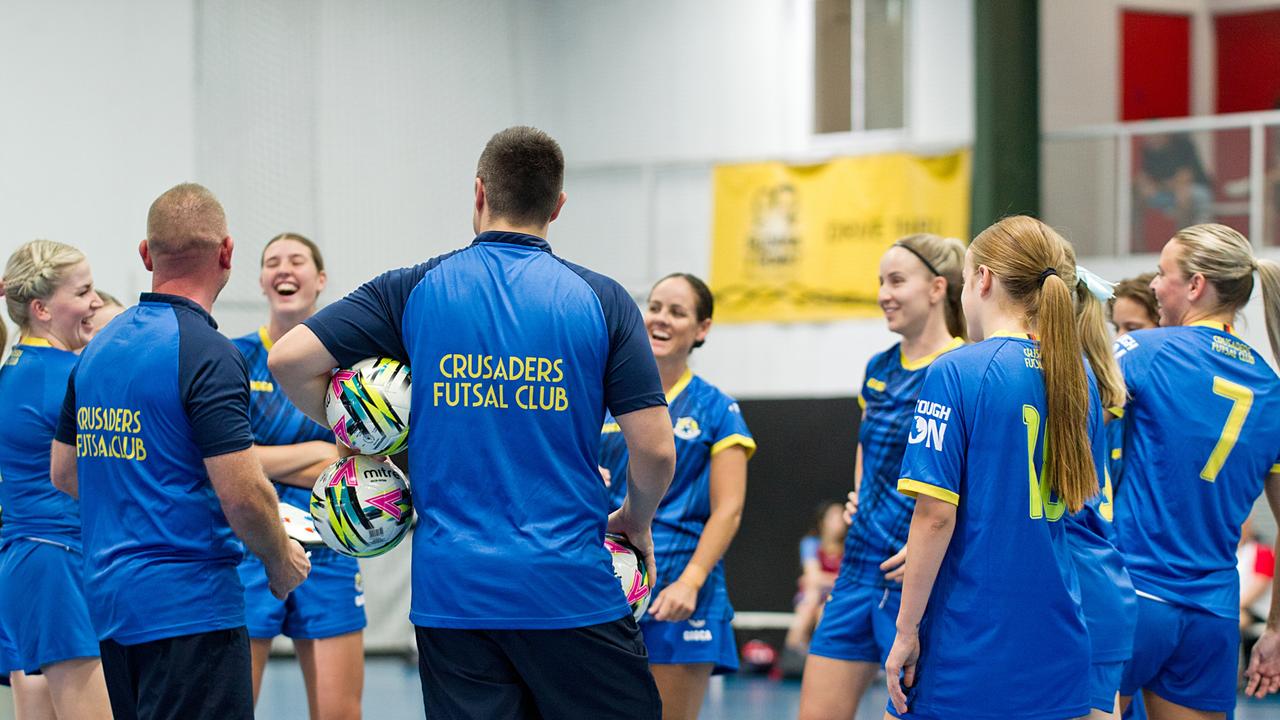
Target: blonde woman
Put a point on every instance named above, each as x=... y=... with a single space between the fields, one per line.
x=49 y=294
x=920 y=284
x=1202 y=441
x=990 y=574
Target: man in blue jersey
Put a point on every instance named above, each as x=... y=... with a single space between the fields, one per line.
x=516 y=355
x=155 y=441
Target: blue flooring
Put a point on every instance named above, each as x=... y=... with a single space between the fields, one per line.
x=392 y=692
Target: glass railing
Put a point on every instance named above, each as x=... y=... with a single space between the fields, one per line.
x=1123 y=189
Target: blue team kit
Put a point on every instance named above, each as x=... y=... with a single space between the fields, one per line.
x=330 y=601
x=705 y=422
x=43 y=612
x=527 y=396
x=160 y=557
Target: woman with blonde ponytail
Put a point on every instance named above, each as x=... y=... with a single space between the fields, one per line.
x=989 y=575
x=1106 y=591
x=43 y=612
x=1201 y=441
x=920 y=283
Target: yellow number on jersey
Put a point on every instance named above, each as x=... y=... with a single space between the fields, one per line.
x=1241 y=399
x=1106 y=508
x=1039 y=485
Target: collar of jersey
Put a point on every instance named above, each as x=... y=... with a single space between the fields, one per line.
x=34 y=341
x=680 y=385
x=265 y=337
x=925 y=361
x=512 y=238
x=1213 y=324
x=178 y=301
x=1017 y=335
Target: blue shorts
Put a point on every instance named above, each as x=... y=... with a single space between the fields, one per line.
x=858 y=624
x=692 y=641
x=1104 y=681
x=330 y=602
x=1185 y=656
x=42 y=605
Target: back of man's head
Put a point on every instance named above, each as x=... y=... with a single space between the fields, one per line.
x=186 y=223
x=522 y=169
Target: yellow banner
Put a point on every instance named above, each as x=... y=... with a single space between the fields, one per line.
x=803 y=242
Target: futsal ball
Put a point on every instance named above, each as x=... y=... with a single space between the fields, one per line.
x=631 y=571
x=367 y=406
x=361 y=507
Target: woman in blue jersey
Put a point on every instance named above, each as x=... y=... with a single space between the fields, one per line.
x=990 y=624
x=49 y=294
x=920 y=281
x=325 y=615
x=687 y=630
x=1106 y=592
x=1201 y=441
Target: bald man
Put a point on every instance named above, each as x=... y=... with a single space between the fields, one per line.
x=155 y=441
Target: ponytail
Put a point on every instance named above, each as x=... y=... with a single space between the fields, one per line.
x=1269 y=273
x=1030 y=260
x=1092 y=327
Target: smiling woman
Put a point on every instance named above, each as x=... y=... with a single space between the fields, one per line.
x=687 y=628
x=44 y=616
x=325 y=615
x=920 y=282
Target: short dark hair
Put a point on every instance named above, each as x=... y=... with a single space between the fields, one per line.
x=315 y=249
x=705 y=301
x=522 y=169
x=1137 y=289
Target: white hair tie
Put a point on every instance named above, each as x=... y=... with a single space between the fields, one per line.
x=1096 y=286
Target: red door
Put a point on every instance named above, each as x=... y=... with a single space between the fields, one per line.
x=1155 y=69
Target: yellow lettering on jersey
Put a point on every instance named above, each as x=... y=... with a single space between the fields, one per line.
x=261 y=386
x=877 y=385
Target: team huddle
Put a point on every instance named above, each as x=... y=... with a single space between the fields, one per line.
x=1042 y=526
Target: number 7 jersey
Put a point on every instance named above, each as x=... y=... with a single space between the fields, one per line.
x=1201 y=434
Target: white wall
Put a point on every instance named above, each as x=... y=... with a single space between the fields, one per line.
x=99 y=118
x=731 y=82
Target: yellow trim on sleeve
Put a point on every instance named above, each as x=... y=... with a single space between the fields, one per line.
x=1117 y=411
x=680 y=385
x=912 y=488
x=1116 y=453
x=610 y=427
x=1275 y=469
x=747 y=443
x=265 y=337
x=925 y=361
x=30 y=341
x=862 y=402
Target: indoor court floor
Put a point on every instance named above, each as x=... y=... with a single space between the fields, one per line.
x=391 y=692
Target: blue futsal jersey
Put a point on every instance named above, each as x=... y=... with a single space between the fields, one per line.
x=1202 y=434
x=275 y=420
x=156 y=392
x=705 y=421
x=516 y=355
x=888 y=400
x=1003 y=635
x=1106 y=591
x=33 y=382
